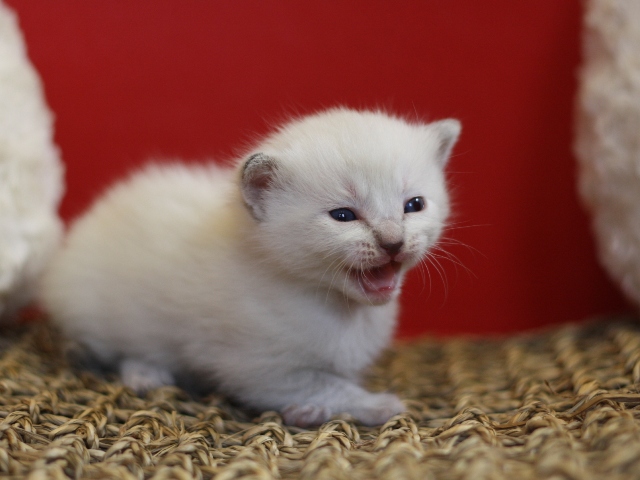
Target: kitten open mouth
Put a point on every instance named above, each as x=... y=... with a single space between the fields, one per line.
x=379 y=281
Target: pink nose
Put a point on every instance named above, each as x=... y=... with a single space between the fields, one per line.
x=392 y=248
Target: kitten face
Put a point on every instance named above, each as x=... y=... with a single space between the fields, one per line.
x=350 y=201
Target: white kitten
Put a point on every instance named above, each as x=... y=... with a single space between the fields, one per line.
x=276 y=282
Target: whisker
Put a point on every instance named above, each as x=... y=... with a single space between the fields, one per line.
x=424 y=267
x=341 y=264
x=344 y=289
x=328 y=267
x=462 y=225
x=438 y=267
x=446 y=255
x=455 y=241
x=328 y=254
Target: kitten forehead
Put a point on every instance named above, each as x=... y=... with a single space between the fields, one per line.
x=341 y=143
x=367 y=155
x=351 y=132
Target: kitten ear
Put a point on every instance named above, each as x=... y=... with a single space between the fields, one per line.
x=446 y=133
x=258 y=176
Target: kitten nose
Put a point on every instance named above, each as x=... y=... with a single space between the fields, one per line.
x=392 y=248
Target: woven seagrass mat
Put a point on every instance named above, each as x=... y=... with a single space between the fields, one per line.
x=559 y=404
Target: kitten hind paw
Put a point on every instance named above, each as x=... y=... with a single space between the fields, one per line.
x=378 y=408
x=142 y=377
x=305 y=415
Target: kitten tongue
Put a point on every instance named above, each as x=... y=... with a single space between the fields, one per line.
x=381 y=279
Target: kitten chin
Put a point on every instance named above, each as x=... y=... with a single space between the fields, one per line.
x=277 y=279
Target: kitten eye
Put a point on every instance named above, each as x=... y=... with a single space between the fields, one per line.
x=343 y=215
x=414 y=205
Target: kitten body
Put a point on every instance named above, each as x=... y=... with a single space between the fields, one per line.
x=250 y=276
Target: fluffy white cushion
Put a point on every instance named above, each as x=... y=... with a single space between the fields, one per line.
x=608 y=135
x=30 y=172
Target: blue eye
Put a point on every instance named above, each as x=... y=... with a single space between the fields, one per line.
x=414 y=205
x=343 y=215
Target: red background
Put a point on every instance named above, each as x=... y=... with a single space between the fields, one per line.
x=132 y=80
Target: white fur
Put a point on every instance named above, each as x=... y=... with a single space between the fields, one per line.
x=608 y=133
x=30 y=173
x=240 y=275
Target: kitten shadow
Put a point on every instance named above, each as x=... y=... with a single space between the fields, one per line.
x=82 y=362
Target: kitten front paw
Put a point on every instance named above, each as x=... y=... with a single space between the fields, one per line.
x=374 y=409
x=377 y=408
x=305 y=415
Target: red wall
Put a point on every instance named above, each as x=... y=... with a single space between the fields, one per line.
x=130 y=80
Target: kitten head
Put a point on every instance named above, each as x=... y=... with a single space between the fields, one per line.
x=349 y=201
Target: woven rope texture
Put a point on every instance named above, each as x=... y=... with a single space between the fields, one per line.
x=561 y=404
